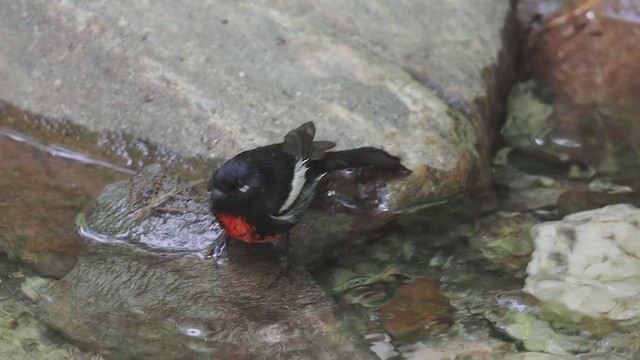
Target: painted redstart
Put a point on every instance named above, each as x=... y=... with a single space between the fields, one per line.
x=260 y=194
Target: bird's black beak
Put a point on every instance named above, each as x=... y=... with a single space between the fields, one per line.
x=217 y=195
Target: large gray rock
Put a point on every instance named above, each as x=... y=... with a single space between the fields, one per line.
x=422 y=79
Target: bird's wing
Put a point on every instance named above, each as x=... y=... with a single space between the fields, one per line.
x=299 y=141
x=356 y=158
x=318 y=148
x=300 y=205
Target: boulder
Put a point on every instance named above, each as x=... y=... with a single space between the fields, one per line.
x=581 y=102
x=423 y=80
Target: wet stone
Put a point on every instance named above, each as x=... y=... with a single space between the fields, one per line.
x=391 y=287
x=519 y=316
x=502 y=239
x=514 y=316
x=417 y=308
x=581 y=101
x=587 y=265
x=141 y=288
x=22 y=335
x=527 y=116
x=520 y=191
x=154 y=210
x=576 y=201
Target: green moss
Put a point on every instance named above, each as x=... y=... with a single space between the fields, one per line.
x=528 y=116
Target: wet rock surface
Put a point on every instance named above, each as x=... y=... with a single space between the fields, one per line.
x=581 y=100
x=478 y=268
x=141 y=288
x=518 y=316
x=502 y=239
x=412 y=297
x=116 y=150
x=520 y=191
x=577 y=201
x=423 y=80
x=22 y=336
x=417 y=308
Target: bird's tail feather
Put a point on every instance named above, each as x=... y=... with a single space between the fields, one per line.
x=360 y=157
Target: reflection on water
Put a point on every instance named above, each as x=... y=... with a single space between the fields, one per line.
x=41 y=192
x=42 y=188
x=116 y=150
x=59 y=151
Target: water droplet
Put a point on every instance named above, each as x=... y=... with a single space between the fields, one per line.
x=191 y=331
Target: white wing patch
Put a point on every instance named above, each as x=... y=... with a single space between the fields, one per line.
x=297 y=183
x=301 y=203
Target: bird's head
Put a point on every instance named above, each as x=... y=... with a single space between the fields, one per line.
x=234 y=186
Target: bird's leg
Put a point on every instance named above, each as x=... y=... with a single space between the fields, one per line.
x=286 y=249
x=218 y=249
x=287 y=263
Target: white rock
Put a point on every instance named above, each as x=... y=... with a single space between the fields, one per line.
x=589 y=262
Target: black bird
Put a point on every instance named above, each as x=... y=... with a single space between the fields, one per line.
x=260 y=194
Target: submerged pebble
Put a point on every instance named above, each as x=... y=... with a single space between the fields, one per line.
x=589 y=263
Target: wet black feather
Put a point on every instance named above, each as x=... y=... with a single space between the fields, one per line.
x=360 y=157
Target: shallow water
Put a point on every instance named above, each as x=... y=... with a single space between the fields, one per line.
x=445 y=280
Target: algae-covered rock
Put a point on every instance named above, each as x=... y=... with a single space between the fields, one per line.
x=527 y=121
x=536 y=334
x=519 y=316
x=22 y=336
x=502 y=239
x=488 y=316
x=142 y=289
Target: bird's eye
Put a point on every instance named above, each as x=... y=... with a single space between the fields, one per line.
x=242 y=187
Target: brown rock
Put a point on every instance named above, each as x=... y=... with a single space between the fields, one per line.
x=417 y=308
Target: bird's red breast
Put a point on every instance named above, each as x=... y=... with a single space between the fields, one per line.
x=238 y=228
